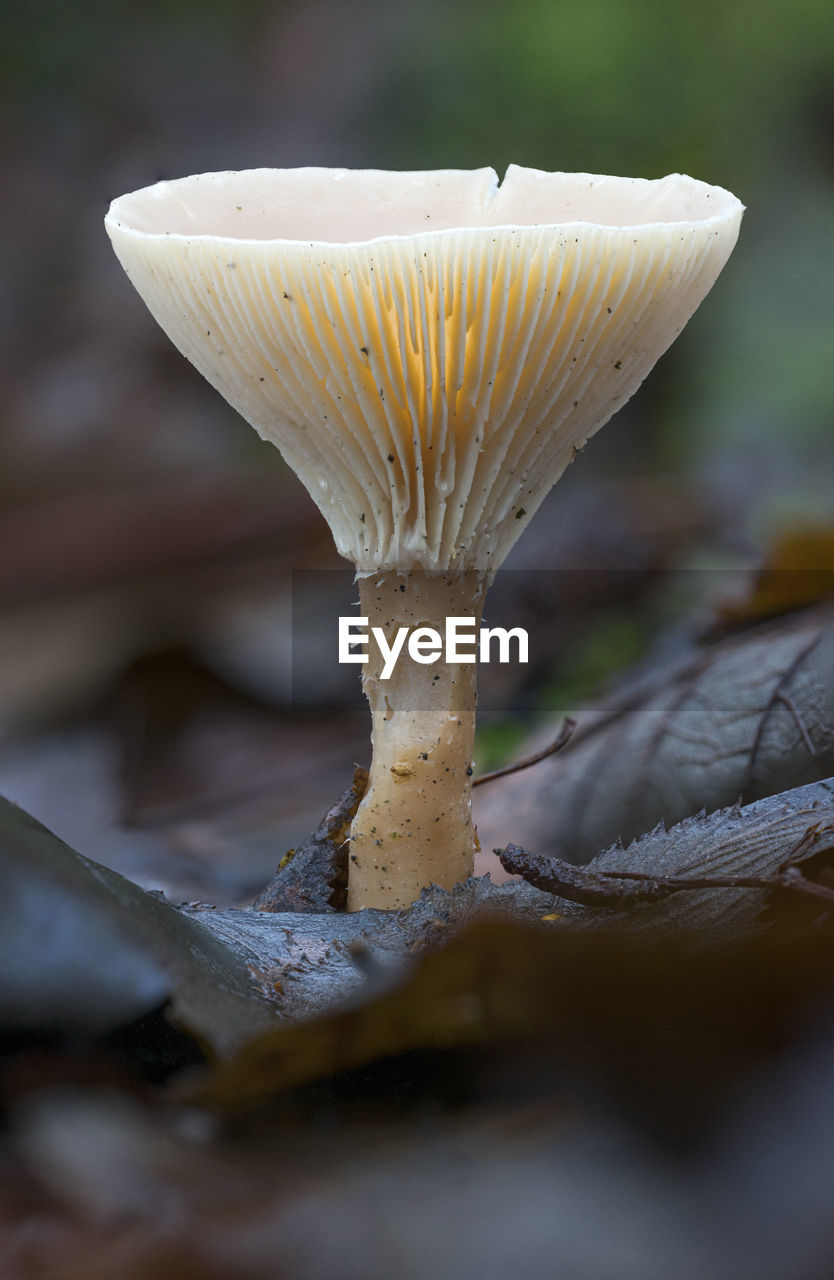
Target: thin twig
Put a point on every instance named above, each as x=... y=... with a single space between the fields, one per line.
x=594 y=887
x=559 y=742
x=790 y=878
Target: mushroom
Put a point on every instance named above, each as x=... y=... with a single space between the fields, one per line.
x=429 y=351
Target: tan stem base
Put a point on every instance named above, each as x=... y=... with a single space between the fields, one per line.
x=414 y=825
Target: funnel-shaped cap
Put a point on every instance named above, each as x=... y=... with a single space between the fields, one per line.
x=427 y=350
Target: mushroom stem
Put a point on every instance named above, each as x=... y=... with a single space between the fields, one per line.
x=414 y=825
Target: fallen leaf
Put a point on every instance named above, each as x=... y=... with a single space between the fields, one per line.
x=748 y=717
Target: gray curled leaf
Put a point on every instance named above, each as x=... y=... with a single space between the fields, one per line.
x=67 y=962
x=82 y=950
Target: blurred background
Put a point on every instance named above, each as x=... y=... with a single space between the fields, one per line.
x=152 y=548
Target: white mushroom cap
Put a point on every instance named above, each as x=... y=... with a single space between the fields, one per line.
x=428 y=350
